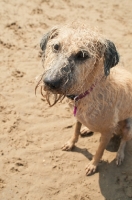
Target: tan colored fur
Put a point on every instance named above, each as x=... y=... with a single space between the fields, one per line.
x=105 y=111
x=108 y=108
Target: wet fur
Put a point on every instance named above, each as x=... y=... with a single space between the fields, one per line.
x=107 y=109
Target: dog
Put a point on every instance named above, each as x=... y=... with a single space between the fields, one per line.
x=79 y=64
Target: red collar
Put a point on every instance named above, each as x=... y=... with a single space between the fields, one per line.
x=76 y=98
x=82 y=95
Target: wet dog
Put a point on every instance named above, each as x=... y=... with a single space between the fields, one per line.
x=79 y=63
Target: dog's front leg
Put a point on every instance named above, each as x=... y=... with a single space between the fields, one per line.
x=70 y=143
x=92 y=166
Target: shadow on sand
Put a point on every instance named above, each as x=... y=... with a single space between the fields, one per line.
x=115 y=182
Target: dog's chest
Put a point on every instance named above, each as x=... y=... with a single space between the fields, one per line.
x=94 y=115
x=89 y=119
x=88 y=114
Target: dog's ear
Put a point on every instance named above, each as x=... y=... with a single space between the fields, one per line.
x=111 y=57
x=50 y=35
x=44 y=41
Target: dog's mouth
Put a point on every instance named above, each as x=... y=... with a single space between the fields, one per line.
x=52 y=96
x=72 y=96
x=57 y=81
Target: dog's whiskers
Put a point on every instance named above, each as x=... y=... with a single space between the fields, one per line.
x=39 y=82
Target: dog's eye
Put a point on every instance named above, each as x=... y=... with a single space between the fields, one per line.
x=82 y=55
x=56 y=47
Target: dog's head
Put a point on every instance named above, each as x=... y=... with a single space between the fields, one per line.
x=71 y=57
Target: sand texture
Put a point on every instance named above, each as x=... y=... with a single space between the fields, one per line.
x=32 y=165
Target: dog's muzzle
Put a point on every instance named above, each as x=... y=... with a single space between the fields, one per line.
x=60 y=76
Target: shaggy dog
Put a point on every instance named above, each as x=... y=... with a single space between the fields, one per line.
x=79 y=64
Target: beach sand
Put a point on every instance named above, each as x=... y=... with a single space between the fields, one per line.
x=32 y=165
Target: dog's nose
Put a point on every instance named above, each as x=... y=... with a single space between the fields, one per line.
x=53 y=84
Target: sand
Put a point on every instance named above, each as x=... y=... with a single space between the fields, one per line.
x=32 y=165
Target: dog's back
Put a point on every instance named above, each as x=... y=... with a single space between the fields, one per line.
x=121 y=81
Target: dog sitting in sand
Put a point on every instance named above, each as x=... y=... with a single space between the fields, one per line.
x=80 y=64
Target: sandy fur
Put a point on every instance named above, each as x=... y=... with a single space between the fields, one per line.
x=105 y=111
x=108 y=103
x=105 y=106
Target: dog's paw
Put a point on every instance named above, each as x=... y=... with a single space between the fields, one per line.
x=90 y=168
x=119 y=158
x=68 y=146
x=85 y=132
